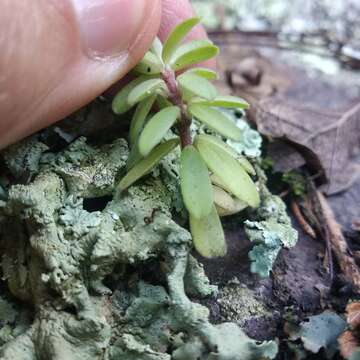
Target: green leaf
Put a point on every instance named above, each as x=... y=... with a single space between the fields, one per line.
x=144 y=89
x=245 y=163
x=228 y=169
x=156 y=128
x=219 y=183
x=208 y=235
x=192 y=53
x=157 y=48
x=226 y=204
x=120 y=103
x=218 y=142
x=138 y=120
x=195 y=183
x=146 y=164
x=150 y=64
x=216 y=120
x=197 y=86
x=225 y=102
x=203 y=72
x=163 y=102
x=176 y=36
x=134 y=157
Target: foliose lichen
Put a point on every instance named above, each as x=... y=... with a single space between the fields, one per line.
x=271 y=231
x=250 y=144
x=105 y=275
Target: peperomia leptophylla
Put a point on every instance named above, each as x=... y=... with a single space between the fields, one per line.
x=212 y=175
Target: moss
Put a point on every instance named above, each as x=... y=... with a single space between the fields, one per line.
x=238 y=303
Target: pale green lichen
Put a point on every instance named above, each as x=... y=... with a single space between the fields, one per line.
x=271 y=232
x=57 y=251
x=229 y=341
x=320 y=332
x=13 y=321
x=251 y=140
x=22 y=159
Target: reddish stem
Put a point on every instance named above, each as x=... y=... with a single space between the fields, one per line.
x=175 y=97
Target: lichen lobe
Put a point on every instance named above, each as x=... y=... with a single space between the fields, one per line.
x=58 y=250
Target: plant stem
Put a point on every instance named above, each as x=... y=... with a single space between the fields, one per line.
x=175 y=97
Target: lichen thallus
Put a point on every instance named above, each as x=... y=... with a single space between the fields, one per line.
x=209 y=168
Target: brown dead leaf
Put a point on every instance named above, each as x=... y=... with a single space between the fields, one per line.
x=320 y=121
x=348 y=344
x=353 y=315
x=348 y=341
x=326 y=140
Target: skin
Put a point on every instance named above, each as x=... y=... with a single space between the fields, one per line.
x=54 y=60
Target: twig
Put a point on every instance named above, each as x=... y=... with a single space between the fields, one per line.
x=339 y=245
x=284 y=193
x=175 y=97
x=320 y=223
x=301 y=220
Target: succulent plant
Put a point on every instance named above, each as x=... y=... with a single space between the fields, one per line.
x=183 y=95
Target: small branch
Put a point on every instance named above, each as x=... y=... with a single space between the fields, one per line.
x=320 y=223
x=175 y=97
x=339 y=245
x=184 y=133
x=301 y=220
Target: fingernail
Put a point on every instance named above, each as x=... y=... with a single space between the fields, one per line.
x=108 y=27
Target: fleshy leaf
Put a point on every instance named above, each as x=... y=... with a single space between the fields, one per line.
x=176 y=36
x=144 y=89
x=219 y=183
x=138 y=120
x=225 y=204
x=146 y=164
x=156 y=128
x=229 y=171
x=157 y=48
x=203 y=72
x=208 y=235
x=195 y=183
x=134 y=157
x=245 y=163
x=192 y=53
x=150 y=64
x=225 y=102
x=162 y=102
x=120 y=103
x=197 y=86
x=216 y=120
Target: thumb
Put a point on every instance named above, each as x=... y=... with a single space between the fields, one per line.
x=57 y=55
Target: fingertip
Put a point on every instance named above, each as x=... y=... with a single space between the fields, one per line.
x=175 y=11
x=146 y=35
x=82 y=56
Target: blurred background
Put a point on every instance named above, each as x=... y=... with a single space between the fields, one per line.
x=326 y=25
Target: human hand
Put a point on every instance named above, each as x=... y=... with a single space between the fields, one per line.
x=58 y=55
